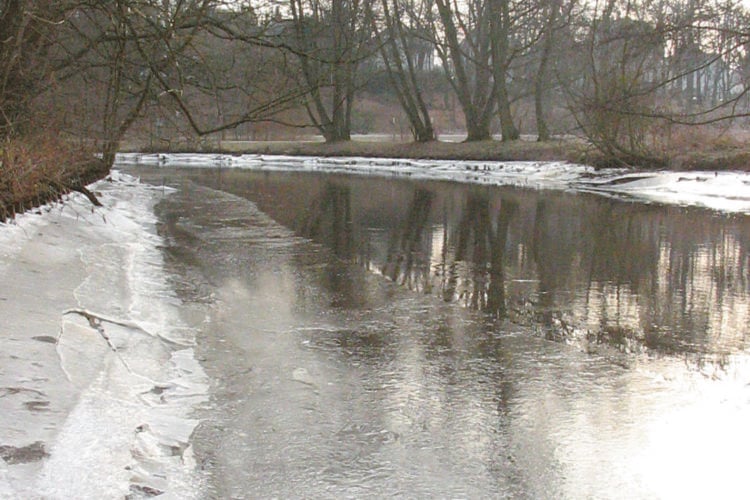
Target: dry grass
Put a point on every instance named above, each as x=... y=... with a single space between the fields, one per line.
x=40 y=168
x=571 y=150
x=708 y=148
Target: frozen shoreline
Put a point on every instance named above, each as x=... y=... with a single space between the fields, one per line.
x=97 y=373
x=723 y=191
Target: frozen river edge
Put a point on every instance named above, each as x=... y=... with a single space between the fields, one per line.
x=722 y=191
x=97 y=374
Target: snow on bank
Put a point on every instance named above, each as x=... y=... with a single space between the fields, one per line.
x=97 y=373
x=724 y=191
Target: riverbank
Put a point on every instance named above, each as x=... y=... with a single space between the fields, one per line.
x=727 y=191
x=716 y=155
x=570 y=150
x=31 y=175
x=42 y=168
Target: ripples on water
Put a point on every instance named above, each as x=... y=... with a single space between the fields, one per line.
x=375 y=338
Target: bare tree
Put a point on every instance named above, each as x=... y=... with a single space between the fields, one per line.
x=118 y=56
x=649 y=65
x=552 y=14
x=399 y=37
x=463 y=43
x=28 y=32
x=234 y=71
x=615 y=99
x=330 y=41
x=500 y=26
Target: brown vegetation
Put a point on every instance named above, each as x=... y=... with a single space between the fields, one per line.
x=488 y=150
x=39 y=168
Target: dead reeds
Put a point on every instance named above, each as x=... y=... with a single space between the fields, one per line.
x=40 y=168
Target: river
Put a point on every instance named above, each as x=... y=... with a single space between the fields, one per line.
x=371 y=337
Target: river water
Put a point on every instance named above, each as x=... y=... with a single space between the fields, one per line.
x=376 y=338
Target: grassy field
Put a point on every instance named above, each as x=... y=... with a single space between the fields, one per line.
x=568 y=150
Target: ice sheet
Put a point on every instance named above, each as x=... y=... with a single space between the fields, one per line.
x=97 y=373
x=723 y=191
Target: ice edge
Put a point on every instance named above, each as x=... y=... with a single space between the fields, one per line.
x=721 y=191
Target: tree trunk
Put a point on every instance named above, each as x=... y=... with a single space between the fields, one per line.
x=475 y=93
x=324 y=66
x=478 y=129
x=419 y=115
x=500 y=24
x=507 y=127
x=542 y=130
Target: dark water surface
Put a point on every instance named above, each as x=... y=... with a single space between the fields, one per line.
x=380 y=338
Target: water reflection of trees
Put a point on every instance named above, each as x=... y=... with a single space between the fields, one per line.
x=469 y=265
x=642 y=277
x=476 y=244
x=623 y=275
x=329 y=219
x=406 y=263
x=577 y=267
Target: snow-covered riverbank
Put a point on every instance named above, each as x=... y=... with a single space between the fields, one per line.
x=97 y=374
x=724 y=191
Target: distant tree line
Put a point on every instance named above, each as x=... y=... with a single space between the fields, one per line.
x=624 y=74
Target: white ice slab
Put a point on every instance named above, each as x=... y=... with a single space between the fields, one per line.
x=97 y=373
